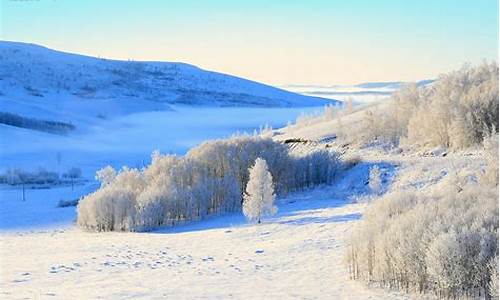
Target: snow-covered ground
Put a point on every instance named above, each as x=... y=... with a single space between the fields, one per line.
x=122 y=141
x=299 y=253
x=296 y=254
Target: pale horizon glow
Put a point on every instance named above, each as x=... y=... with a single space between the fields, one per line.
x=322 y=42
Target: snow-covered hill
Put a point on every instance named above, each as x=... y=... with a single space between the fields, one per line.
x=29 y=71
x=98 y=108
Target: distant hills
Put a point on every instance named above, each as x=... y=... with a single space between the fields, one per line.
x=29 y=70
x=390 y=84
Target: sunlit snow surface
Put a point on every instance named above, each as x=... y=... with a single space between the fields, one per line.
x=130 y=139
x=295 y=254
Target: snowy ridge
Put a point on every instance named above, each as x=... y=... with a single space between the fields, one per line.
x=33 y=71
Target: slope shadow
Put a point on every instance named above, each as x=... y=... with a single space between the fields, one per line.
x=322 y=220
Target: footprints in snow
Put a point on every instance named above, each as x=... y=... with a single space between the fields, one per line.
x=63 y=268
x=130 y=258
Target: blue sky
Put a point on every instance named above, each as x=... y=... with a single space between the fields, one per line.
x=278 y=42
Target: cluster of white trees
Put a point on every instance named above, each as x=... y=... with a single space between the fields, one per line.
x=445 y=242
x=458 y=110
x=39 y=176
x=209 y=179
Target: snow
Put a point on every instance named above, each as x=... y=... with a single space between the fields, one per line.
x=296 y=254
x=321 y=130
x=130 y=139
x=40 y=209
x=33 y=73
x=358 y=94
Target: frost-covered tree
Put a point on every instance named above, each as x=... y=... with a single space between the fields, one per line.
x=259 y=197
x=458 y=110
x=441 y=242
x=72 y=174
x=105 y=175
x=375 y=180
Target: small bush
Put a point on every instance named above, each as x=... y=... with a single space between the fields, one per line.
x=68 y=203
x=441 y=242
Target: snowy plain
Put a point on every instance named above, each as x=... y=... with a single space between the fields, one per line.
x=297 y=254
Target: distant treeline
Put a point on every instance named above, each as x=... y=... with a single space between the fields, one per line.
x=55 y=127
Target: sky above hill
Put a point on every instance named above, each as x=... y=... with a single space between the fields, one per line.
x=277 y=42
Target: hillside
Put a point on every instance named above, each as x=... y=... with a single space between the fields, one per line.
x=54 y=102
x=32 y=71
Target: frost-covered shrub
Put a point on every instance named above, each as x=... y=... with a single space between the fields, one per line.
x=440 y=242
x=490 y=175
x=494 y=280
x=105 y=175
x=113 y=206
x=73 y=173
x=375 y=180
x=19 y=176
x=457 y=110
x=209 y=179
